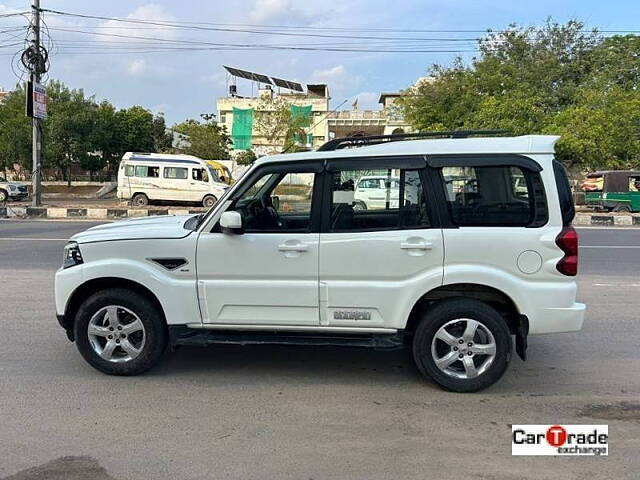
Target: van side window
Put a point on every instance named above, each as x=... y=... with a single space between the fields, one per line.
x=368 y=200
x=200 y=175
x=177 y=173
x=500 y=196
x=146 y=171
x=129 y=171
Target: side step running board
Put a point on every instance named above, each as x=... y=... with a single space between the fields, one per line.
x=184 y=335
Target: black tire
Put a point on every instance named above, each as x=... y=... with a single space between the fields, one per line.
x=622 y=208
x=4 y=196
x=461 y=308
x=209 y=201
x=359 y=205
x=155 y=331
x=140 y=200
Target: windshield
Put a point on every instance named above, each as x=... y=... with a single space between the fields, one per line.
x=213 y=173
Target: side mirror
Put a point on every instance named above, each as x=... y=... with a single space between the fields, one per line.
x=275 y=202
x=231 y=222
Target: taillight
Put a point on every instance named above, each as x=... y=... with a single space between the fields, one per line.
x=567 y=240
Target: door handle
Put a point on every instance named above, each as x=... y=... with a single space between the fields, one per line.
x=416 y=245
x=298 y=247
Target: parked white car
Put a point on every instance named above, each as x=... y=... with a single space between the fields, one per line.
x=12 y=190
x=464 y=262
x=143 y=177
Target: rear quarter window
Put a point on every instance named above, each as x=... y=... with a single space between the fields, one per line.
x=564 y=193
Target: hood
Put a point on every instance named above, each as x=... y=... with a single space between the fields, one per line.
x=160 y=226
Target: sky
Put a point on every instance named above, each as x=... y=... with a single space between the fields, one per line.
x=179 y=72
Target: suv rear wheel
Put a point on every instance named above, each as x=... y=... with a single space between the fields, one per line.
x=120 y=332
x=462 y=344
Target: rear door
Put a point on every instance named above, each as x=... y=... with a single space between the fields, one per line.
x=376 y=263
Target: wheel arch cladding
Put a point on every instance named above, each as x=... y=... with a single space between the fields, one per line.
x=493 y=297
x=90 y=287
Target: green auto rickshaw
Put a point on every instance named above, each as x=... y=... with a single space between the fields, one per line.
x=613 y=190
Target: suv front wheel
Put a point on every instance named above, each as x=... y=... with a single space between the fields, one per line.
x=462 y=344
x=120 y=332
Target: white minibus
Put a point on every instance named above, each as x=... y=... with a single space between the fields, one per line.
x=144 y=177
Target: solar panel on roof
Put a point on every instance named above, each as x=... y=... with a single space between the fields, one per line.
x=287 y=84
x=256 y=77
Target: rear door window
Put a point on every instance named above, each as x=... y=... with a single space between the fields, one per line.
x=501 y=196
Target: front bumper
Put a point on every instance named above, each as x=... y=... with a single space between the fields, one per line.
x=18 y=195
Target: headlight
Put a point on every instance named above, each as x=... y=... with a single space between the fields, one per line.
x=13 y=188
x=72 y=255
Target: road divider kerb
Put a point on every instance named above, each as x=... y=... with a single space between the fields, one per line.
x=90 y=213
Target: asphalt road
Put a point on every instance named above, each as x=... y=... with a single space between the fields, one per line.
x=300 y=412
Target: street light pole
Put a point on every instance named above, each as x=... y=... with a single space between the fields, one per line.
x=36 y=175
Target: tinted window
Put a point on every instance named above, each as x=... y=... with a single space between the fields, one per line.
x=492 y=196
x=146 y=171
x=396 y=202
x=178 y=173
x=564 y=193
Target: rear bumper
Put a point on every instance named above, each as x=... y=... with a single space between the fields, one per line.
x=558 y=320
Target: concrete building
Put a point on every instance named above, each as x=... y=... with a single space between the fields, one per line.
x=324 y=124
x=3 y=94
x=316 y=97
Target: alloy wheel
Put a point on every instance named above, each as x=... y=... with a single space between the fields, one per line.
x=463 y=348
x=116 y=334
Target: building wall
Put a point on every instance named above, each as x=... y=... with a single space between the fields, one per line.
x=261 y=145
x=326 y=124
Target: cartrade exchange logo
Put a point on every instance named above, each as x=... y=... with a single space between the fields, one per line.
x=560 y=440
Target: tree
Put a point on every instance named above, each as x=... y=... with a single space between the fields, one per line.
x=246 y=157
x=15 y=132
x=556 y=79
x=108 y=136
x=68 y=129
x=162 y=139
x=138 y=129
x=206 y=138
x=275 y=121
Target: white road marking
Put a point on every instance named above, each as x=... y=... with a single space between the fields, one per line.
x=35 y=239
x=609 y=246
x=616 y=284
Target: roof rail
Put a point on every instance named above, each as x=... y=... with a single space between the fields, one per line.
x=346 y=142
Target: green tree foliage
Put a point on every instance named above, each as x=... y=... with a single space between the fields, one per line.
x=556 y=79
x=78 y=131
x=246 y=157
x=15 y=132
x=206 y=138
x=69 y=128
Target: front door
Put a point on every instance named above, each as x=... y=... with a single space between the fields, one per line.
x=376 y=262
x=269 y=274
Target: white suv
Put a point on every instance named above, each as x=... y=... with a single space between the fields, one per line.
x=463 y=259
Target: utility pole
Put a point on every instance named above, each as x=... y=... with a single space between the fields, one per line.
x=36 y=69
